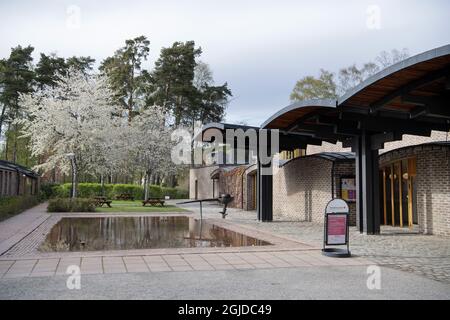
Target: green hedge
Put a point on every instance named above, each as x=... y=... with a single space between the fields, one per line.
x=11 y=206
x=71 y=205
x=89 y=190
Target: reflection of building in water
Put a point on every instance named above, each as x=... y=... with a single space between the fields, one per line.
x=121 y=233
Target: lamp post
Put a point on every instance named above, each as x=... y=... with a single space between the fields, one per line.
x=71 y=157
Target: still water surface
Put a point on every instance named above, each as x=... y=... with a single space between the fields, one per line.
x=121 y=233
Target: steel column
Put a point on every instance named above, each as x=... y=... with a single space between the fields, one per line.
x=265 y=193
x=368 y=185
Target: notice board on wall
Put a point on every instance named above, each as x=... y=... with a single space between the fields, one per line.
x=348 y=188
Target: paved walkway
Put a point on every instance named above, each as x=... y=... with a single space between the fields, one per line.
x=420 y=254
x=425 y=255
x=16 y=228
x=172 y=263
x=291 y=268
x=346 y=282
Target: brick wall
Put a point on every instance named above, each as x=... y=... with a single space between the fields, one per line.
x=345 y=168
x=432 y=185
x=205 y=183
x=232 y=182
x=303 y=187
x=407 y=140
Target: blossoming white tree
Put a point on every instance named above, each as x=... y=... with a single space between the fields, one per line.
x=77 y=116
x=151 y=145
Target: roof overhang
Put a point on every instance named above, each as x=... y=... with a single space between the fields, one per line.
x=410 y=97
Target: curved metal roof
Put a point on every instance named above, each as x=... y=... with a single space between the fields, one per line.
x=286 y=116
x=221 y=127
x=405 y=85
x=330 y=156
x=409 y=97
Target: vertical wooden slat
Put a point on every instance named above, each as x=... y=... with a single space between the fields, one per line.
x=400 y=194
x=410 y=214
x=384 y=196
x=392 y=195
x=411 y=173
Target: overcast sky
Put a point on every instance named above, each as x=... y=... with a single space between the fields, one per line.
x=259 y=47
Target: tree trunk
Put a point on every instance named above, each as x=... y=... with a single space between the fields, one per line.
x=7 y=142
x=2 y=117
x=146 y=187
x=74 y=179
x=102 y=181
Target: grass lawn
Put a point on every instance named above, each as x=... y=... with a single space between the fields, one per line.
x=136 y=206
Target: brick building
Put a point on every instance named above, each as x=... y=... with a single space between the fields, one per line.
x=17 y=180
x=396 y=124
x=303 y=186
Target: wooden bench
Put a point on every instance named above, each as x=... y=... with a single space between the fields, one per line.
x=153 y=202
x=125 y=196
x=100 y=201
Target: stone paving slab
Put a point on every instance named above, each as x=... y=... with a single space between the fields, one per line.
x=172 y=263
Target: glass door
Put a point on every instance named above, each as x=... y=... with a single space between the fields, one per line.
x=398 y=193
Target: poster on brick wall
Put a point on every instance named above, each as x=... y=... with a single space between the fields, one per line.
x=348 y=189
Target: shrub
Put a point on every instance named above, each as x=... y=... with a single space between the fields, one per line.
x=71 y=205
x=11 y=206
x=89 y=190
x=135 y=190
x=47 y=191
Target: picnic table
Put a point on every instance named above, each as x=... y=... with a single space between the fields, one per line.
x=153 y=202
x=100 y=201
x=125 y=196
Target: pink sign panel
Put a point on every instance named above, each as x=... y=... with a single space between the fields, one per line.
x=336 y=229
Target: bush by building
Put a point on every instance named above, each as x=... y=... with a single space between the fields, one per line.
x=71 y=205
x=10 y=206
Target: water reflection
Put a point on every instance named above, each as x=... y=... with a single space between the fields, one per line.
x=121 y=233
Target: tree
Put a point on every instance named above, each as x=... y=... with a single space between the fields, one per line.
x=202 y=75
x=125 y=74
x=17 y=77
x=310 y=87
x=75 y=116
x=48 y=68
x=386 y=59
x=82 y=64
x=351 y=76
x=325 y=86
x=150 y=144
x=172 y=79
x=211 y=100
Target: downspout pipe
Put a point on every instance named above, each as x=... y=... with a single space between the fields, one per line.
x=332 y=180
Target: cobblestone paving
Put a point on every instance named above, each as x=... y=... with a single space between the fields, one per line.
x=426 y=255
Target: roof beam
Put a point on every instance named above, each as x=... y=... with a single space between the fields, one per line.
x=405 y=89
x=300 y=120
x=429 y=106
x=384 y=124
x=378 y=140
